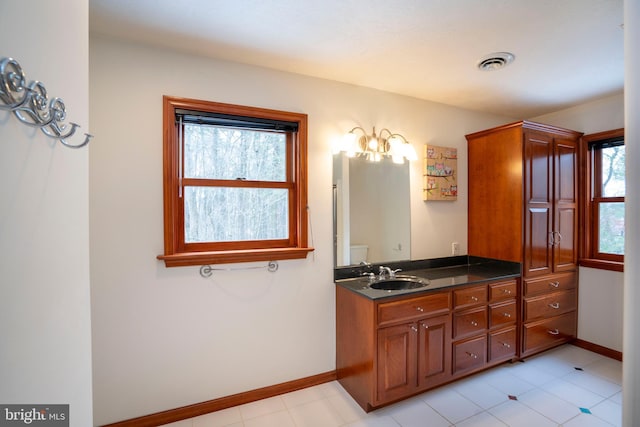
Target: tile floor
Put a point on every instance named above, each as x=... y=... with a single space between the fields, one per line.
x=567 y=386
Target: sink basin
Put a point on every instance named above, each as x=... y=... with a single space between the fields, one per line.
x=400 y=283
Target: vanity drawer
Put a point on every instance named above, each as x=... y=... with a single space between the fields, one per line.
x=469 y=322
x=503 y=313
x=502 y=344
x=413 y=308
x=469 y=297
x=549 y=305
x=502 y=290
x=548 y=332
x=558 y=282
x=470 y=354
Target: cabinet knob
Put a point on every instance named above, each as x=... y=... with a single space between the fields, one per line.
x=472 y=355
x=474 y=323
x=507 y=345
x=506 y=314
x=420 y=309
x=414 y=329
x=554 y=332
x=506 y=291
x=474 y=298
x=554 y=284
x=555 y=305
x=425 y=326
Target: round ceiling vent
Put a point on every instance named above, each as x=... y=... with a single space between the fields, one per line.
x=495 y=61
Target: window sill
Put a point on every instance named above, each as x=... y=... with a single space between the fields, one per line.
x=602 y=264
x=225 y=257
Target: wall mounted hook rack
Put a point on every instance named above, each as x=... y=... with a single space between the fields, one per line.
x=31 y=105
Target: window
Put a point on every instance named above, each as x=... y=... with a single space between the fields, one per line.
x=603 y=245
x=234 y=183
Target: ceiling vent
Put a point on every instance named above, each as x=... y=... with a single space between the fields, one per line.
x=495 y=61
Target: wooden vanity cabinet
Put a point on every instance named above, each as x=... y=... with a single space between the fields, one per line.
x=523 y=207
x=391 y=349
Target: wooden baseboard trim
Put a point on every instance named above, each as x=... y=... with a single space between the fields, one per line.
x=614 y=354
x=197 y=409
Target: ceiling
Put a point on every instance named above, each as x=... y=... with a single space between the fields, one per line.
x=566 y=51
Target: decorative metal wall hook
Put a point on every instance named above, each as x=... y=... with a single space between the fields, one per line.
x=31 y=105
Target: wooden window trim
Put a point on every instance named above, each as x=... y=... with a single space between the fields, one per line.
x=589 y=201
x=176 y=253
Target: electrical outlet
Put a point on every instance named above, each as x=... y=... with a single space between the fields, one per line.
x=455 y=248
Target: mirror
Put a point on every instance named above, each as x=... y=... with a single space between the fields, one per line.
x=372 y=220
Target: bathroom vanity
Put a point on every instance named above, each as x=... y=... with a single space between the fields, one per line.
x=392 y=344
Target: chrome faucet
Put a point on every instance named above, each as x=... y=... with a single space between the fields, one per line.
x=388 y=273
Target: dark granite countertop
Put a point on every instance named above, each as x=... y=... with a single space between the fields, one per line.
x=441 y=273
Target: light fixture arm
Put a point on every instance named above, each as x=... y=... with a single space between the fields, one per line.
x=376 y=146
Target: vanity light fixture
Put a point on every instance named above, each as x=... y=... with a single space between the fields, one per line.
x=374 y=147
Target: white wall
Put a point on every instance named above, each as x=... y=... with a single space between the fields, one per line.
x=45 y=350
x=164 y=338
x=600 y=304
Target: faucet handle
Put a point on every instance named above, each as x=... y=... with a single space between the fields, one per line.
x=392 y=273
x=370 y=275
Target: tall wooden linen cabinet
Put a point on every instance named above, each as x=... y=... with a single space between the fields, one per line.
x=523 y=207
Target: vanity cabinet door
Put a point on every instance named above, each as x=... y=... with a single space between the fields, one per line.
x=434 y=351
x=397 y=361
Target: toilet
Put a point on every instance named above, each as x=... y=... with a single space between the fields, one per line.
x=358 y=254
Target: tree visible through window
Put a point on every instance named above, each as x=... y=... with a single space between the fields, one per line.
x=604 y=204
x=228 y=213
x=610 y=201
x=234 y=183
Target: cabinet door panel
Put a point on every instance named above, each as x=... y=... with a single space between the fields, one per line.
x=434 y=352
x=538 y=171
x=537 y=239
x=565 y=255
x=397 y=361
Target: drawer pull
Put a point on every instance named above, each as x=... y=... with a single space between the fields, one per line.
x=474 y=323
x=506 y=314
x=420 y=309
x=414 y=329
x=506 y=291
x=507 y=345
x=474 y=298
x=555 y=305
x=425 y=326
x=472 y=355
x=554 y=332
x=554 y=284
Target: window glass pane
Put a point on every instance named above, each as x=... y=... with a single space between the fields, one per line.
x=223 y=214
x=613 y=171
x=611 y=237
x=213 y=152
